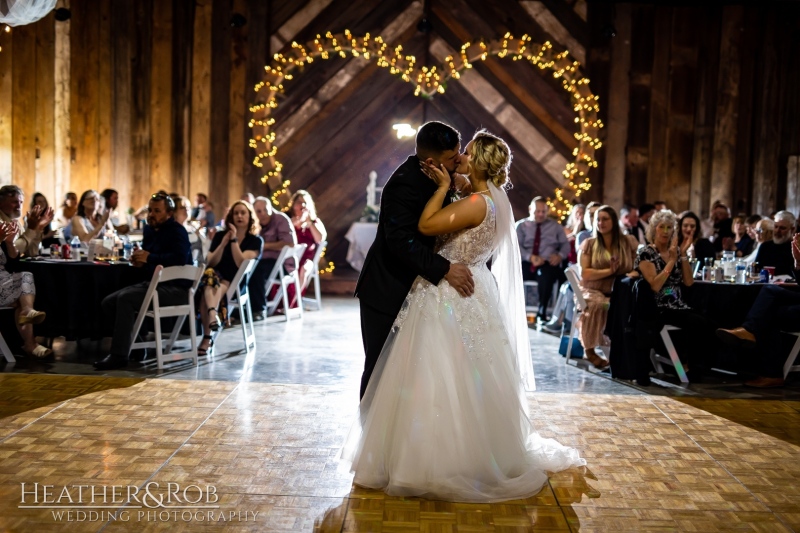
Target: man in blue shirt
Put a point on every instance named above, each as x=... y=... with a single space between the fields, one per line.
x=165 y=243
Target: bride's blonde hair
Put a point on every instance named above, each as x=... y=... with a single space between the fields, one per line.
x=491 y=154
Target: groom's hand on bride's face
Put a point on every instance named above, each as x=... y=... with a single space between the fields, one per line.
x=460 y=278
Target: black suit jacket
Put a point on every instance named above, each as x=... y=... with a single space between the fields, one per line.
x=400 y=253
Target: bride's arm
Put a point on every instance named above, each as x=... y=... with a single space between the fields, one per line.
x=435 y=220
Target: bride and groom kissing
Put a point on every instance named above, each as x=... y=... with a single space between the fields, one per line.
x=443 y=411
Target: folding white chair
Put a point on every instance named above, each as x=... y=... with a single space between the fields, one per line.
x=281 y=278
x=4 y=349
x=673 y=360
x=553 y=297
x=789 y=365
x=573 y=278
x=151 y=308
x=241 y=300
x=317 y=300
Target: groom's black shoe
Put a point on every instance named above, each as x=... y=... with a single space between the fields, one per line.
x=110 y=362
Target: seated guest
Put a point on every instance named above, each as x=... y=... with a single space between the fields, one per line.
x=631 y=225
x=763 y=232
x=229 y=249
x=666 y=268
x=111 y=198
x=588 y=220
x=164 y=242
x=197 y=241
x=776 y=309
x=742 y=242
x=778 y=252
x=197 y=211
x=700 y=248
x=750 y=226
x=722 y=231
x=248 y=197
x=48 y=232
x=574 y=226
x=645 y=212
x=659 y=205
x=17 y=290
x=543 y=247
x=277 y=231
x=310 y=231
x=63 y=217
x=603 y=257
x=91 y=220
x=36 y=220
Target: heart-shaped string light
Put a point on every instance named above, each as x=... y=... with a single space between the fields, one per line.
x=428 y=80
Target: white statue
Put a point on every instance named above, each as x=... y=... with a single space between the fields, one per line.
x=372 y=190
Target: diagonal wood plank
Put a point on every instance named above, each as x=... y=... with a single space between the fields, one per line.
x=548 y=20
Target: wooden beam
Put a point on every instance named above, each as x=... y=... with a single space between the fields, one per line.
x=725 y=128
x=287 y=127
x=6 y=109
x=61 y=140
x=659 y=104
x=160 y=105
x=618 y=109
x=220 y=106
x=289 y=30
x=238 y=132
x=201 y=98
x=490 y=99
x=122 y=36
x=566 y=18
x=24 y=108
x=105 y=111
x=258 y=49
x=45 y=107
x=638 y=149
x=547 y=19
x=182 y=36
x=141 y=68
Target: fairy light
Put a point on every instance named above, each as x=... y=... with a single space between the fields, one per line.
x=428 y=81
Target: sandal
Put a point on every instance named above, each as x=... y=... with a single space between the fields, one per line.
x=216 y=324
x=204 y=351
x=40 y=352
x=31 y=317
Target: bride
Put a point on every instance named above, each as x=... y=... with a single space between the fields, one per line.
x=445 y=414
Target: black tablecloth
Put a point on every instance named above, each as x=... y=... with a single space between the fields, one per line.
x=70 y=294
x=633 y=324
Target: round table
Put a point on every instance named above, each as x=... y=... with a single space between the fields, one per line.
x=726 y=304
x=70 y=293
x=361 y=236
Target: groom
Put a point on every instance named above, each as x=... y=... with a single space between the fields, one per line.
x=400 y=253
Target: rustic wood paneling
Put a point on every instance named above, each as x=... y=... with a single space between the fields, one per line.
x=6 y=108
x=182 y=32
x=638 y=152
x=141 y=68
x=122 y=36
x=725 y=128
x=659 y=104
x=45 y=106
x=238 y=133
x=161 y=121
x=61 y=124
x=200 y=140
x=258 y=54
x=105 y=111
x=84 y=94
x=24 y=112
x=220 y=106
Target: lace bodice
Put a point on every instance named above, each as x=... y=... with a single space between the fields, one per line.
x=470 y=246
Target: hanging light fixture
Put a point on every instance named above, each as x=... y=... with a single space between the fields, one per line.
x=404 y=130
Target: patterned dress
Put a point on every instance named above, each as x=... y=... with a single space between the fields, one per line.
x=12 y=286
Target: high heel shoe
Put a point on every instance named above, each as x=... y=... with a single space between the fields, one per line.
x=204 y=351
x=216 y=323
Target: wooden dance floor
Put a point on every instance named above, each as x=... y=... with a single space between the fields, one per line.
x=236 y=456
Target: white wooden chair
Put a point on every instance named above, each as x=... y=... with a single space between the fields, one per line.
x=281 y=279
x=4 y=349
x=151 y=308
x=241 y=300
x=553 y=297
x=789 y=365
x=317 y=300
x=573 y=278
x=673 y=359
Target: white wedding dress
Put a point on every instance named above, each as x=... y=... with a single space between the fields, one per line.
x=445 y=415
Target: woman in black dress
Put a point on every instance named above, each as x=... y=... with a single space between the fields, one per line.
x=228 y=251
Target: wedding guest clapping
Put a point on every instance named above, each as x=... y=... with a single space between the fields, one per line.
x=11 y=201
x=91 y=220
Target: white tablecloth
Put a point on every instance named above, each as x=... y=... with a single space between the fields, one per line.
x=361 y=235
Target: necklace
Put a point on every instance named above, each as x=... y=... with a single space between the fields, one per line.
x=481 y=192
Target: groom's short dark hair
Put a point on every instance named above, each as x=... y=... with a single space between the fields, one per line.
x=436 y=137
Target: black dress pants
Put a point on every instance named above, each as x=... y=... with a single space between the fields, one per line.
x=375 y=328
x=257 y=287
x=123 y=306
x=546 y=276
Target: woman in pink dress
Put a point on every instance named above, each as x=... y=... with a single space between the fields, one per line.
x=310 y=231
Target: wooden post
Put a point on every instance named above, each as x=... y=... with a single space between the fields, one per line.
x=6 y=109
x=161 y=100
x=201 y=98
x=45 y=108
x=24 y=109
x=618 y=108
x=725 y=128
x=121 y=52
x=659 y=104
x=220 y=106
x=238 y=133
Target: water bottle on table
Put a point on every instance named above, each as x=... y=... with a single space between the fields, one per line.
x=127 y=247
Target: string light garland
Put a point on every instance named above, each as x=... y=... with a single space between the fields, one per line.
x=428 y=81
x=5 y=29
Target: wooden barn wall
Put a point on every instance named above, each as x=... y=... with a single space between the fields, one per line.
x=146 y=95
x=702 y=100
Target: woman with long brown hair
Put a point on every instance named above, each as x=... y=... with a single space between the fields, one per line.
x=603 y=256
